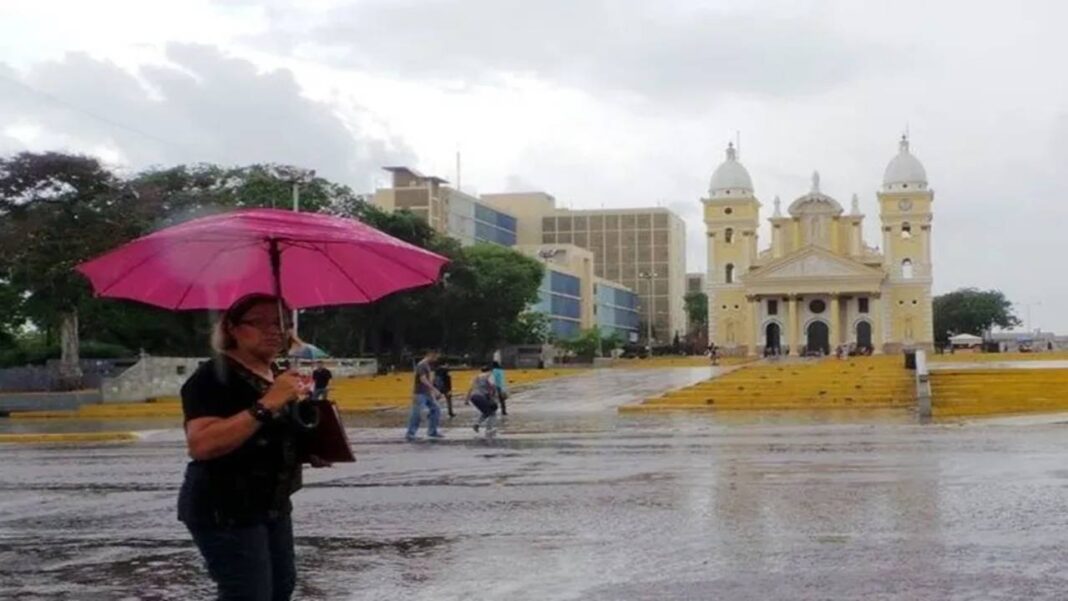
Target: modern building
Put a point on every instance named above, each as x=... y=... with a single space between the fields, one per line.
x=818 y=285
x=446 y=209
x=642 y=249
x=617 y=310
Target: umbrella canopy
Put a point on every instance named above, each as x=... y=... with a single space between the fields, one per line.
x=309 y=259
x=308 y=351
x=965 y=339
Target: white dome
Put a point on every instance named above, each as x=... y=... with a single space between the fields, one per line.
x=905 y=172
x=730 y=179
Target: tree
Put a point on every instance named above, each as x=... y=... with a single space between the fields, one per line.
x=529 y=327
x=584 y=345
x=57 y=210
x=611 y=342
x=696 y=304
x=971 y=311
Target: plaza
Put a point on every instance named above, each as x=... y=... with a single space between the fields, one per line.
x=576 y=500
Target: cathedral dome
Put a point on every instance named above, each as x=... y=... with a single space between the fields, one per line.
x=730 y=179
x=905 y=172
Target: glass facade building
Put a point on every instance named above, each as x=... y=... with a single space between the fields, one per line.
x=617 y=310
x=560 y=299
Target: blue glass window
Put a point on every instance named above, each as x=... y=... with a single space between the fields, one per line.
x=565 y=284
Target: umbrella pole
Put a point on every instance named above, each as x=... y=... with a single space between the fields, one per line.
x=276 y=276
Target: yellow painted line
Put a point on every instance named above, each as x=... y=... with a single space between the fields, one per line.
x=68 y=437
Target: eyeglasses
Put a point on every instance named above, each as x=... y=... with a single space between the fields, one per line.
x=265 y=324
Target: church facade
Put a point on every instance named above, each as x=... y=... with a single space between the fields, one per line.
x=818 y=285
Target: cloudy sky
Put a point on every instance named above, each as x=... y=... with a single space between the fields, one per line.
x=599 y=102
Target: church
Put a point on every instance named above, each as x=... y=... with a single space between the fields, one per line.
x=819 y=285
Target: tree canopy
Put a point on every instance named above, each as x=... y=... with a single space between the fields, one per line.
x=58 y=210
x=971 y=311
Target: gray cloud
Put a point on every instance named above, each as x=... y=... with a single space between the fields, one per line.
x=205 y=106
x=683 y=53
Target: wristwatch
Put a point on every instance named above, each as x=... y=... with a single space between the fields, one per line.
x=260 y=412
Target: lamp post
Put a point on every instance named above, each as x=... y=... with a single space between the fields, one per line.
x=650 y=276
x=298 y=176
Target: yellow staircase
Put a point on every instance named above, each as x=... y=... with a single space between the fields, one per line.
x=353 y=395
x=857 y=382
x=964 y=392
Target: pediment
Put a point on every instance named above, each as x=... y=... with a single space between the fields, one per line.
x=812 y=262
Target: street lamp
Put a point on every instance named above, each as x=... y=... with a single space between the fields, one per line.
x=298 y=176
x=650 y=276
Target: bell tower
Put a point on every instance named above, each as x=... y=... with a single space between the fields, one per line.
x=905 y=208
x=732 y=214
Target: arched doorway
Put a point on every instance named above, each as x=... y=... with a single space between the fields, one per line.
x=864 y=335
x=819 y=337
x=772 y=335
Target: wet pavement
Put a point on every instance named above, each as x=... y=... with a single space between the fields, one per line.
x=574 y=501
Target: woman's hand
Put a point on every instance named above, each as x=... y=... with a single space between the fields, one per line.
x=287 y=387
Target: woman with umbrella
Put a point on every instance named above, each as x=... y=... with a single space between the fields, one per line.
x=255 y=265
x=245 y=461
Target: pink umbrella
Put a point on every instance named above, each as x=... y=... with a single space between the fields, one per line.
x=308 y=259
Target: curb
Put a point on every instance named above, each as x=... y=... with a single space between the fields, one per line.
x=68 y=437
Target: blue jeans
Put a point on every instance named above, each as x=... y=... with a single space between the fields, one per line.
x=433 y=415
x=252 y=563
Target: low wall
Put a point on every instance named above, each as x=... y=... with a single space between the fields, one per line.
x=45 y=378
x=46 y=401
x=154 y=377
x=151 y=377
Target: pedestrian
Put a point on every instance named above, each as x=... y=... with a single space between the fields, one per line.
x=499 y=384
x=245 y=464
x=481 y=395
x=424 y=394
x=443 y=382
x=321 y=378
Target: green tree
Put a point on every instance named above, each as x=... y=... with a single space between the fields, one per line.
x=971 y=311
x=585 y=345
x=611 y=342
x=529 y=327
x=57 y=210
x=696 y=304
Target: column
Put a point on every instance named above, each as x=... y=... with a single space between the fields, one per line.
x=791 y=326
x=876 y=308
x=754 y=324
x=836 y=323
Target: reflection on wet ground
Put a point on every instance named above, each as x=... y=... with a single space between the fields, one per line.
x=573 y=501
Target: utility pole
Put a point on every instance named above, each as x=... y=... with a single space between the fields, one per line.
x=649 y=276
x=298 y=176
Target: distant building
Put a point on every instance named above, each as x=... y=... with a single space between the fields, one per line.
x=1037 y=340
x=642 y=249
x=575 y=300
x=446 y=209
x=818 y=285
x=695 y=282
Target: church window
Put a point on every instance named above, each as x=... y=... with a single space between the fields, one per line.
x=730 y=273
x=906 y=230
x=817 y=306
x=728 y=210
x=906 y=269
x=862 y=304
x=773 y=307
x=728 y=235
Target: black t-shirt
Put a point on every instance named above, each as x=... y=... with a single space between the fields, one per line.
x=321 y=377
x=251 y=483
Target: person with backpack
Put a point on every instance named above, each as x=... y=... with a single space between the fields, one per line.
x=482 y=395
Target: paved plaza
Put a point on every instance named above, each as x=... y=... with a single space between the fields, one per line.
x=575 y=501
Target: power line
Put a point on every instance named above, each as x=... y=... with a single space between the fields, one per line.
x=91 y=114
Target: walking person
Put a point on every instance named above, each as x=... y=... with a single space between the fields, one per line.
x=245 y=463
x=443 y=382
x=321 y=378
x=481 y=395
x=424 y=394
x=500 y=385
